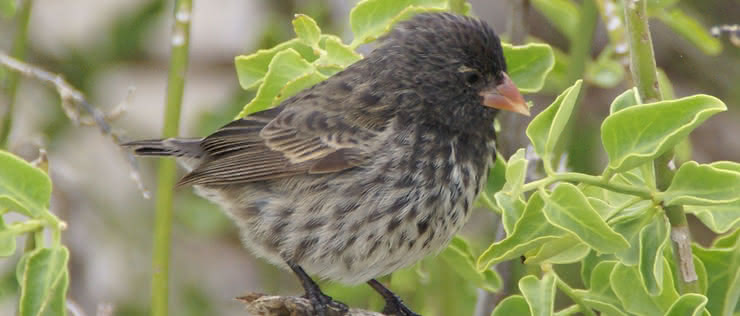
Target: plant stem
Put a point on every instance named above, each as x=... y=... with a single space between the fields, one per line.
x=645 y=76
x=179 y=41
x=573 y=296
x=592 y=180
x=580 y=46
x=18 y=52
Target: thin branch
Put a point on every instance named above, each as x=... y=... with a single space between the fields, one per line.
x=263 y=305
x=20 y=43
x=72 y=100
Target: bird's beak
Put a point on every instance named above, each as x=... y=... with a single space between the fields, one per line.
x=505 y=96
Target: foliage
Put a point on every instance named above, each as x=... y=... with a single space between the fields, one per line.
x=42 y=269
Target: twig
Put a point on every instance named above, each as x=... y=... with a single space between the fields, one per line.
x=263 y=305
x=72 y=100
x=20 y=43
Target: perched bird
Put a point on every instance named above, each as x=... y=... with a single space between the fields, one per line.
x=368 y=171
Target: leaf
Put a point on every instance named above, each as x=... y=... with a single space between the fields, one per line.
x=563 y=14
x=370 y=19
x=460 y=258
x=508 y=199
x=630 y=227
x=251 y=69
x=496 y=175
x=540 y=294
x=44 y=282
x=23 y=187
x=712 y=184
x=641 y=133
x=528 y=65
x=691 y=30
x=297 y=85
x=600 y=295
x=689 y=304
x=546 y=128
x=7 y=239
x=511 y=207
x=530 y=231
x=719 y=218
x=626 y=284
x=567 y=249
x=307 y=30
x=653 y=239
x=286 y=66
x=723 y=279
x=337 y=53
x=604 y=73
x=568 y=208
x=512 y=305
x=626 y=99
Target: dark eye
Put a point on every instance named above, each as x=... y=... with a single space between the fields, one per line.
x=472 y=77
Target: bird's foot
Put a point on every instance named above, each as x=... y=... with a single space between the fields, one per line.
x=393 y=304
x=322 y=302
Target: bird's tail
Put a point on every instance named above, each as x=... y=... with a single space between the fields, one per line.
x=178 y=147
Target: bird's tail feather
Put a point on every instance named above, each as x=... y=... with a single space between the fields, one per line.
x=178 y=147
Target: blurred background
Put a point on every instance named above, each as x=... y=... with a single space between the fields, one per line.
x=105 y=48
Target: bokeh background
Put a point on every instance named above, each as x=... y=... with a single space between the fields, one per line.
x=105 y=48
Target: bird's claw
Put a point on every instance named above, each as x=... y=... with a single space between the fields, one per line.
x=321 y=302
x=398 y=308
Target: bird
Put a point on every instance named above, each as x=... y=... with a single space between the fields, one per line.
x=368 y=171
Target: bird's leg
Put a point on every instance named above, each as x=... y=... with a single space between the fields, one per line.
x=393 y=304
x=319 y=300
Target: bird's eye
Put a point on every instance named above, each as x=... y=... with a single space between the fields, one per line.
x=472 y=77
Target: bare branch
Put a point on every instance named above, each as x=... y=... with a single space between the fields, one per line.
x=258 y=304
x=73 y=101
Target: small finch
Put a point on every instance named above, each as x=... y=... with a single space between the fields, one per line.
x=368 y=171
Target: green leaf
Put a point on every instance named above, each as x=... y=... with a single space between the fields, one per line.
x=23 y=187
x=337 y=53
x=689 y=304
x=567 y=249
x=719 y=218
x=723 y=279
x=460 y=258
x=546 y=128
x=563 y=14
x=44 y=282
x=508 y=199
x=307 y=30
x=7 y=239
x=604 y=72
x=496 y=175
x=690 y=29
x=512 y=305
x=630 y=227
x=626 y=284
x=530 y=231
x=252 y=69
x=626 y=99
x=370 y=19
x=600 y=295
x=297 y=85
x=729 y=240
x=540 y=294
x=568 y=208
x=712 y=184
x=641 y=133
x=528 y=65
x=8 y=8
x=511 y=207
x=286 y=66
x=653 y=239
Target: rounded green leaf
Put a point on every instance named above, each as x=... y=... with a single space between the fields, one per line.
x=641 y=133
x=626 y=284
x=307 y=30
x=286 y=66
x=629 y=227
x=23 y=187
x=44 y=282
x=337 y=53
x=700 y=184
x=689 y=304
x=460 y=258
x=568 y=209
x=567 y=249
x=723 y=288
x=512 y=305
x=626 y=99
x=604 y=73
x=540 y=294
x=297 y=85
x=251 y=69
x=530 y=231
x=719 y=218
x=653 y=239
x=546 y=128
x=370 y=19
x=528 y=65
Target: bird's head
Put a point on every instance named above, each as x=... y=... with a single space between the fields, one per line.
x=455 y=65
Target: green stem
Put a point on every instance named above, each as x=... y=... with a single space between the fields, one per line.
x=567 y=290
x=645 y=76
x=179 y=42
x=20 y=43
x=580 y=46
x=592 y=180
x=25 y=227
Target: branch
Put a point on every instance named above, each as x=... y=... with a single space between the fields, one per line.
x=265 y=305
x=72 y=100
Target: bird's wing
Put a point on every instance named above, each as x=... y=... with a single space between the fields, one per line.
x=280 y=142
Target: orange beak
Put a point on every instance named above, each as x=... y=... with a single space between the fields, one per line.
x=505 y=96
